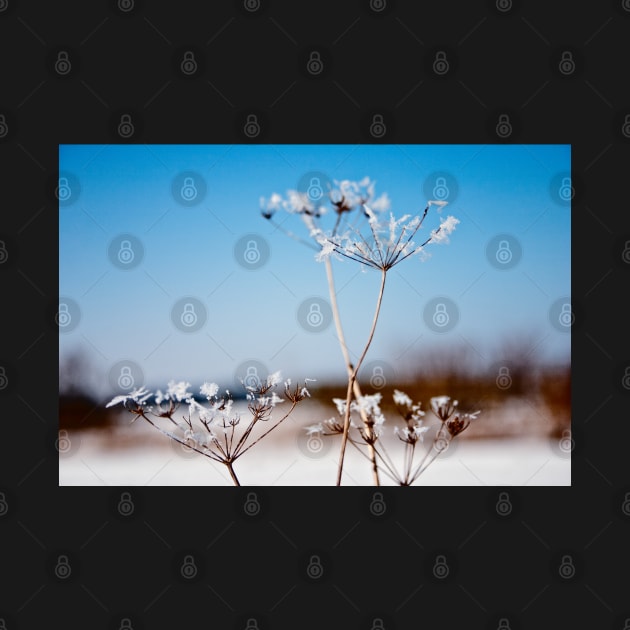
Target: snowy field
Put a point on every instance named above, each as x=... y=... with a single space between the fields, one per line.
x=137 y=455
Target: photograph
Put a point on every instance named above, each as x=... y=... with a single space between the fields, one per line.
x=315 y=315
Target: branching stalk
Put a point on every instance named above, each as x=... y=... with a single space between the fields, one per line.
x=353 y=376
x=346 y=355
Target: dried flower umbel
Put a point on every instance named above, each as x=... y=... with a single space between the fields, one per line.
x=213 y=429
x=452 y=423
x=381 y=245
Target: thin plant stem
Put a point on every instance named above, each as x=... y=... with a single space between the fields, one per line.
x=353 y=376
x=232 y=473
x=346 y=355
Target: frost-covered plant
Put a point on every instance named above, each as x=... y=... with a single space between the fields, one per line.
x=213 y=429
x=341 y=231
x=452 y=423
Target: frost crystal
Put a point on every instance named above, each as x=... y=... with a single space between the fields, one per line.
x=209 y=390
x=138 y=395
x=178 y=391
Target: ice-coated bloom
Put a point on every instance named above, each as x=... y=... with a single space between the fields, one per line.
x=443 y=406
x=269 y=206
x=386 y=243
x=347 y=195
x=408 y=410
x=205 y=414
x=314 y=429
x=178 y=391
x=139 y=395
x=268 y=401
x=400 y=398
x=328 y=248
x=209 y=390
x=441 y=234
x=368 y=403
x=411 y=434
x=460 y=422
x=341 y=405
x=274 y=379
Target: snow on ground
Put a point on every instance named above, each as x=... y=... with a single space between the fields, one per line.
x=137 y=455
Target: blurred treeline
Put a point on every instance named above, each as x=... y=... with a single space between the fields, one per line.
x=515 y=390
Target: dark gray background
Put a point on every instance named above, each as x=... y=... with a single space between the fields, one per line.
x=504 y=58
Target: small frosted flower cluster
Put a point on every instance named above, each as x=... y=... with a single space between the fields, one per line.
x=369 y=431
x=370 y=428
x=412 y=415
x=210 y=428
x=454 y=421
x=387 y=243
x=345 y=195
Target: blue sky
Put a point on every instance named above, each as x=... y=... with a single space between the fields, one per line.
x=188 y=250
